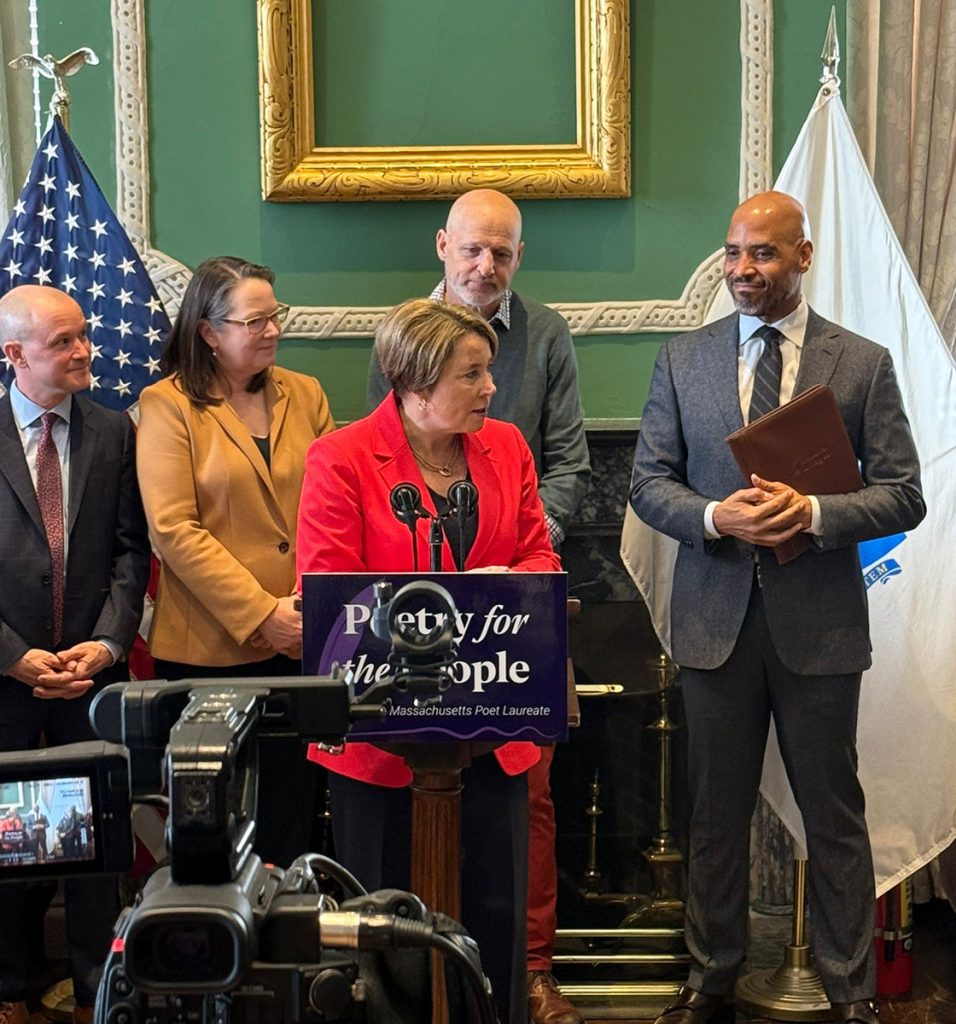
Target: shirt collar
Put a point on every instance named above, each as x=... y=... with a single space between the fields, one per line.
x=27 y=413
x=793 y=326
x=502 y=313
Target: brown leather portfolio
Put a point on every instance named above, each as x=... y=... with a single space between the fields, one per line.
x=803 y=444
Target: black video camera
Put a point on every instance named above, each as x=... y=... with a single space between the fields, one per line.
x=217 y=935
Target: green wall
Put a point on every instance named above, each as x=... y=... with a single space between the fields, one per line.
x=204 y=147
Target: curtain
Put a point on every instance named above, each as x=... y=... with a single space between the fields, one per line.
x=901 y=68
x=17 y=139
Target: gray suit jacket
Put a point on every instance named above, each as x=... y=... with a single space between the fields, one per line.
x=108 y=562
x=815 y=605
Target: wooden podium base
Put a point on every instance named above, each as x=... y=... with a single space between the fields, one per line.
x=436 y=835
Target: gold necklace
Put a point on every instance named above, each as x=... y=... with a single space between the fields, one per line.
x=444 y=470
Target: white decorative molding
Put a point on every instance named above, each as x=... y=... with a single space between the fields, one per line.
x=131 y=116
x=584 y=317
x=756 y=96
x=609 y=317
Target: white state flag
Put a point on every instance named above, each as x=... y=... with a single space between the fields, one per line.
x=907 y=724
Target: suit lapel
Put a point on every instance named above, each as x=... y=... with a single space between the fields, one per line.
x=278 y=399
x=393 y=456
x=822 y=347
x=13 y=464
x=82 y=452
x=486 y=476
x=718 y=372
x=239 y=434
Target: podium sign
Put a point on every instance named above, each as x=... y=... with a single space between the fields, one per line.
x=510 y=679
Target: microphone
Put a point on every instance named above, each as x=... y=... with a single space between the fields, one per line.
x=462 y=503
x=462 y=500
x=406 y=502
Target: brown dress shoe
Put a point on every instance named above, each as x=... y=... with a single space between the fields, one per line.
x=14 y=1013
x=693 y=1007
x=546 y=1005
x=861 y=1012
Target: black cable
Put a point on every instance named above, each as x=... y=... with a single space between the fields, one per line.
x=336 y=871
x=381 y=932
x=153 y=800
x=452 y=951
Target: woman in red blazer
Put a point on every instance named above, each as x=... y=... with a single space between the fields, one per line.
x=433 y=430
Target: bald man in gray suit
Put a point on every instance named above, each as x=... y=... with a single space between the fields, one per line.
x=754 y=638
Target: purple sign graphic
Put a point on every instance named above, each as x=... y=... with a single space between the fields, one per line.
x=510 y=679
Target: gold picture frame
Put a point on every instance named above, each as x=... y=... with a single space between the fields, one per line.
x=597 y=164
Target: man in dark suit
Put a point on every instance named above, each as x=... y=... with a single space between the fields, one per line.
x=754 y=638
x=75 y=557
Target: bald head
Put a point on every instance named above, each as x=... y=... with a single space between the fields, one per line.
x=43 y=334
x=777 y=209
x=767 y=252
x=481 y=248
x=485 y=205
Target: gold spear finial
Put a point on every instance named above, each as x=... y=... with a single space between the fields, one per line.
x=831 y=54
x=58 y=70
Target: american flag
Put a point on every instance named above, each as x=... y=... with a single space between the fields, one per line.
x=63 y=233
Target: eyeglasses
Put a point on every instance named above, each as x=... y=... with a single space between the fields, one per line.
x=257 y=324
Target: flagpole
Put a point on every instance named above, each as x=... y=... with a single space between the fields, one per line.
x=794 y=991
x=57 y=70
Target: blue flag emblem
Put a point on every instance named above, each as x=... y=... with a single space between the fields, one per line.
x=877 y=568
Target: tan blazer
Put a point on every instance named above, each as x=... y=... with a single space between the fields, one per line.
x=222 y=522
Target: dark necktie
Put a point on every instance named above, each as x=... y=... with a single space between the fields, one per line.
x=766 y=393
x=50 y=500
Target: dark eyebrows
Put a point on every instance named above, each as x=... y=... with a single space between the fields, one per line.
x=733 y=246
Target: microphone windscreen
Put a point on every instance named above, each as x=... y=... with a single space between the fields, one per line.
x=463 y=498
x=406 y=500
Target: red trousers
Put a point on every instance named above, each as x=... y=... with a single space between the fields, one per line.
x=542 y=866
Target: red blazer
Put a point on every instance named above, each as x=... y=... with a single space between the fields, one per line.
x=346 y=524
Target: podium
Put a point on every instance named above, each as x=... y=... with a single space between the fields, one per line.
x=509 y=683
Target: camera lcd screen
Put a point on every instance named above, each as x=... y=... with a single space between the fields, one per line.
x=47 y=822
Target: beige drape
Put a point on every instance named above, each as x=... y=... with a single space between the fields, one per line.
x=901 y=72
x=17 y=142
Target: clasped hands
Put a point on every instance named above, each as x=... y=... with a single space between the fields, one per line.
x=282 y=629
x=766 y=514
x=63 y=675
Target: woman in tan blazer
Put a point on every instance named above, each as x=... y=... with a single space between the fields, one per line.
x=221 y=448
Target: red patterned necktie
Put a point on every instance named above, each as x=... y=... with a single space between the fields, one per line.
x=50 y=499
